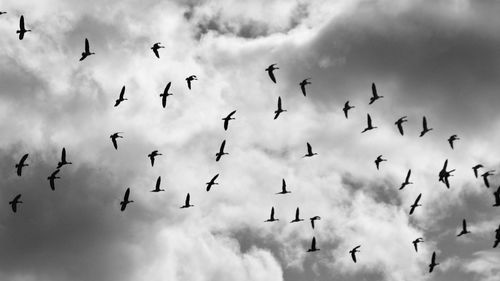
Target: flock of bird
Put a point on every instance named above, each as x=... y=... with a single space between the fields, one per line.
x=444 y=174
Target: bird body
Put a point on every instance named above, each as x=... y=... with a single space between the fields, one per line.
x=227 y=118
x=283 y=188
x=121 y=98
x=270 y=70
x=22 y=29
x=309 y=151
x=353 y=253
x=433 y=262
x=14 y=202
x=297 y=218
x=475 y=168
x=375 y=95
x=464 y=229
x=279 y=110
x=369 y=124
x=271 y=217
x=63 y=159
x=313 y=246
x=221 y=152
x=190 y=79
x=152 y=156
x=114 y=137
x=379 y=160
x=415 y=243
x=212 y=182
x=346 y=108
x=399 y=123
x=452 y=139
x=485 y=177
x=407 y=180
x=157 y=185
x=155 y=48
x=165 y=94
x=415 y=204
x=315 y=218
x=86 y=52
x=123 y=204
x=425 y=129
x=186 y=202
x=52 y=179
x=497 y=197
x=303 y=85
x=19 y=166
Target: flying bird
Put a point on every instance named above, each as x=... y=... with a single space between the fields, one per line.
x=425 y=129
x=374 y=96
x=353 y=253
x=444 y=174
x=303 y=85
x=452 y=139
x=14 y=203
x=271 y=217
x=297 y=219
x=221 y=152
x=313 y=246
x=283 y=188
x=165 y=94
x=346 y=108
x=212 y=182
x=278 y=111
x=155 y=48
x=399 y=123
x=52 y=179
x=157 y=185
x=475 y=168
x=270 y=70
x=19 y=166
x=485 y=177
x=416 y=241
x=369 y=124
x=379 y=160
x=114 y=137
x=22 y=29
x=86 y=52
x=464 y=229
x=497 y=237
x=415 y=204
x=125 y=201
x=497 y=197
x=190 y=79
x=309 y=151
x=120 y=99
x=63 y=159
x=1 y=12
x=314 y=219
x=227 y=118
x=152 y=156
x=186 y=203
x=433 y=262
x=407 y=180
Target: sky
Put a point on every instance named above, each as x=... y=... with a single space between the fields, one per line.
x=438 y=59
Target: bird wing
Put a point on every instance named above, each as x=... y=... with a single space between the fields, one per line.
x=63 y=155
x=313 y=243
x=167 y=88
x=345 y=109
x=127 y=193
x=303 y=87
x=188 y=197
x=486 y=182
x=231 y=114
x=214 y=178
x=272 y=213
x=353 y=255
x=400 y=128
x=415 y=245
x=475 y=171
x=279 y=103
x=277 y=113
x=297 y=214
x=157 y=54
x=424 y=123
x=374 y=90
x=115 y=144
x=271 y=75
x=309 y=149
x=87 y=47
x=226 y=123
x=189 y=82
x=122 y=92
x=464 y=225
x=158 y=181
x=408 y=176
x=23 y=159
x=152 y=158
x=21 y=23
x=222 y=145
x=312 y=223
x=369 y=120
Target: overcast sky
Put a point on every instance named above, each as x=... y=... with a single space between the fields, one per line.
x=440 y=59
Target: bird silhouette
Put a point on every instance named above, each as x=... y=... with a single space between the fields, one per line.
x=152 y=156
x=464 y=229
x=315 y=218
x=353 y=253
x=2 y=12
x=212 y=182
x=190 y=79
x=14 y=202
x=475 y=168
x=416 y=241
x=52 y=179
x=186 y=203
x=157 y=185
x=221 y=152
x=22 y=29
x=86 y=52
x=346 y=108
x=297 y=219
x=407 y=180
x=270 y=70
x=125 y=201
x=278 y=111
x=497 y=197
x=165 y=94
x=283 y=188
x=425 y=129
x=444 y=174
x=452 y=139
x=303 y=85
x=63 y=159
x=374 y=96
x=399 y=123
x=485 y=177
x=120 y=98
x=433 y=262
x=114 y=137
x=313 y=246
x=271 y=217
x=309 y=151
x=415 y=204
x=227 y=118
x=19 y=166
x=369 y=124
x=155 y=48
x=379 y=160
x=497 y=237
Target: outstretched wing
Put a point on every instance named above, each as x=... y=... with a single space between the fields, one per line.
x=87 y=47
x=271 y=75
x=374 y=90
x=157 y=54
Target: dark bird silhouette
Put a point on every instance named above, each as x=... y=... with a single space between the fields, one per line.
x=369 y=124
x=374 y=96
x=14 y=202
x=433 y=262
x=346 y=108
x=416 y=241
x=186 y=203
x=278 y=111
x=157 y=185
x=379 y=160
x=19 y=166
x=497 y=197
x=283 y=188
x=353 y=253
x=125 y=201
x=270 y=70
x=212 y=182
x=315 y=218
x=190 y=79
x=152 y=156
x=114 y=137
x=221 y=152
x=155 y=48
x=63 y=159
x=271 y=217
x=309 y=151
x=1 y=12
x=22 y=29
x=86 y=52
x=425 y=129
x=415 y=204
x=303 y=85
x=452 y=139
x=444 y=174
x=485 y=177
x=464 y=229
x=313 y=246
x=227 y=118
x=296 y=219
x=407 y=180
x=165 y=94
x=497 y=237
x=120 y=99
x=475 y=168
x=399 y=123
x=52 y=179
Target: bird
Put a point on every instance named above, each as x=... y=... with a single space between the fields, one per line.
x=485 y=177
x=227 y=118
x=415 y=204
x=314 y=219
x=63 y=159
x=379 y=160
x=407 y=180
x=399 y=123
x=155 y=48
x=1 y=12
x=212 y=182
x=120 y=99
x=433 y=262
x=303 y=85
x=452 y=139
x=313 y=246
x=22 y=29
x=415 y=243
x=190 y=79
x=186 y=203
x=86 y=52
x=271 y=217
x=296 y=219
x=424 y=127
x=497 y=237
x=374 y=96
x=283 y=188
x=278 y=111
x=444 y=174
x=157 y=185
x=52 y=178
x=353 y=253
x=14 y=203
x=497 y=197
x=464 y=229
x=221 y=152
x=125 y=201
x=19 y=166
x=309 y=151
x=165 y=94
x=346 y=108
x=114 y=137
x=270 y=70
x=152 y=156
x=475 y=168
x=369 y=124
